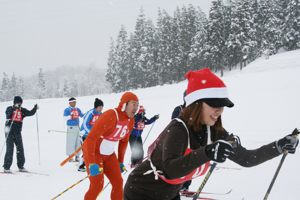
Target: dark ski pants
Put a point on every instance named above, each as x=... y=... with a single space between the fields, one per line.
x=136 y=146
x=14 y=138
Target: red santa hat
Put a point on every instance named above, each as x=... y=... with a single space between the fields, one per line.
x=141 y=109
x=206 y=86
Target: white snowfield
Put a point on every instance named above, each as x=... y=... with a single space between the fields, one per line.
x=267 y=107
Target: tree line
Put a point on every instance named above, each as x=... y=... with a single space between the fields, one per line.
x=235 y=33
x=65 y=81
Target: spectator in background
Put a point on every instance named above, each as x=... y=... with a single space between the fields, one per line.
x=13 y=128
x=135 y=139
x=89 y=120
x=71 y=115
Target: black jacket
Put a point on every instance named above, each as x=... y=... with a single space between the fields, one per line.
x=17 y=126
x=169 y=158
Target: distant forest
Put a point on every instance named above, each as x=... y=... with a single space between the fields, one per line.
x=65 y=81
x=235 y=33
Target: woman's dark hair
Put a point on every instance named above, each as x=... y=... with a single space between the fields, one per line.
x=192 y=116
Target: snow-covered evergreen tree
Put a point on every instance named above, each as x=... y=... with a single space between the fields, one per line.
x=121 y=60
x=41 y=85
x=269 y=27
x=292 y=26
x=20 y=89
x=164 y=54
x=242 y=41
x=5 y=88
x=13 y=86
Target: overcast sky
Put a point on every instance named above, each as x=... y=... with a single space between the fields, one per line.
x=52 y=33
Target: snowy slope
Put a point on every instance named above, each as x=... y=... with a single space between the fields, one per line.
x=266 y=96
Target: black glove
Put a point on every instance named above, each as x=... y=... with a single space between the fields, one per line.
x=288 y=143
x=156 y=116
x=219 y=151
x=36 y=106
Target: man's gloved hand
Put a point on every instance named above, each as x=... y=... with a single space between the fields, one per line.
x=288 y=143
x=95 y=169
x=219 y=151
x=36 y=106
x=122 y=167
x=156 y=116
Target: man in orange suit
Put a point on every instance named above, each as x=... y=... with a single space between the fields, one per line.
x=112 y=127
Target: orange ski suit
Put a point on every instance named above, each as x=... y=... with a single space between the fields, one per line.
x=98 y=150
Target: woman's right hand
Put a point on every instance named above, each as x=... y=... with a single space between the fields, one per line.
x=219 y=150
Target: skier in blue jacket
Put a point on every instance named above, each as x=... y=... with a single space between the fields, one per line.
x=71 y=115
x=89 y=120
x=135 y=139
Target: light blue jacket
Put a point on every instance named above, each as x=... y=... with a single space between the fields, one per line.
x=72 y=122
x=88 y=122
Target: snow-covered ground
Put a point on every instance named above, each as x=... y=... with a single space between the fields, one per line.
x=267 y=106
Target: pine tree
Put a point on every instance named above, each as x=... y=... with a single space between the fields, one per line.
x=292 y=26
x=111 y=72
x=270 y=27
x=13 y=86
x=41 y=85
x=196 y=57
x=165 y=27
x=187 y=29
x=5 y=88
x=121 y=57
x=21 y=86
x=216 y=36
x=241 y=41
x=66 y=89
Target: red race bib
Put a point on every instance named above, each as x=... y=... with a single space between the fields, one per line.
x=120 y=131
x=17 y=116
x=74 y=114
x=94 y=119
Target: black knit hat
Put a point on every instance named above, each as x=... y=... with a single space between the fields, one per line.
x=98 y=102
x=18 y=99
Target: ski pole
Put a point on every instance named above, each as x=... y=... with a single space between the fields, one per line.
x=234 y=140
x=275 y=175
x=149 y=132
x=71 y=186
x=63 y=132
x=37 y=130
x=101 y=171
x=204 y=181
x=71 y=156
x=285 y=153
x=6 y=136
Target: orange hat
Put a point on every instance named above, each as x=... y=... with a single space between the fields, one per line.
x=127 y=96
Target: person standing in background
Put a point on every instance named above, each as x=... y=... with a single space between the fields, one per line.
x=13 y=128
x=135 y=139
x=71 y=115
x=89 y=120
